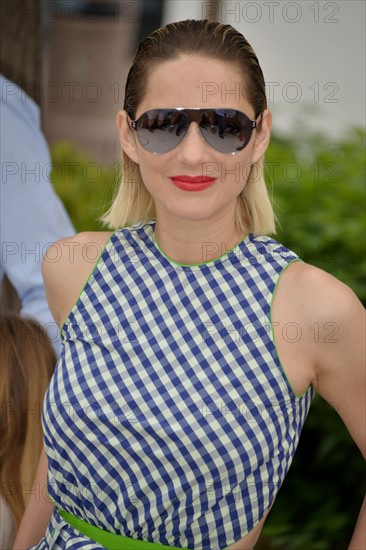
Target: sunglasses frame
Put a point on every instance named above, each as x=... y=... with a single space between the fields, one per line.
x=134 y=125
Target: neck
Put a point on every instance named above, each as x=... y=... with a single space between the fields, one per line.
x=194 y=242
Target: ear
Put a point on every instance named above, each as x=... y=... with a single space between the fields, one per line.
x=262 y=135
x=126 y=136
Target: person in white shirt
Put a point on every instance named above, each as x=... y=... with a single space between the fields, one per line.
x=32 y=216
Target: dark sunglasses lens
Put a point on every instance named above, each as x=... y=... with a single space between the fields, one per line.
x=160 y=130
x=226 y=130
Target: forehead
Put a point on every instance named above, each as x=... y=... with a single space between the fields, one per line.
x=195 y=81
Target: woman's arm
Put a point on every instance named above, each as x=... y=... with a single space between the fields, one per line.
x=341 y=370
x=358 y=541
x=38 y=511
x=63 y=280
x=334 y=360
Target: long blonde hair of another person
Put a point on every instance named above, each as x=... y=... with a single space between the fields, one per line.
x=27 y=361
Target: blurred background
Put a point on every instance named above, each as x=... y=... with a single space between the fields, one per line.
x=72 y=57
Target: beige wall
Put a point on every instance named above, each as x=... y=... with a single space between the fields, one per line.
x=83 y=87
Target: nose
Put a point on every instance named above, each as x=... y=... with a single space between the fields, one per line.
x=193 y=149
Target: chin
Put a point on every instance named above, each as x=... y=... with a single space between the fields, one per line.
x=194 y=215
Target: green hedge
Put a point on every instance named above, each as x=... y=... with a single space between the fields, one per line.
x=85 y=187
x=320 y=204
x=318 y=188
x=319 y=192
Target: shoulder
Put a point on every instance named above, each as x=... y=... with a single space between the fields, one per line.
x=328 y=321
x=315 y=292
x=66 y=266
x=332 y=316
x=17 y=107
x=338 y=322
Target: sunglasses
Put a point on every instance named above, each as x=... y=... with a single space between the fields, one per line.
x=161 y=130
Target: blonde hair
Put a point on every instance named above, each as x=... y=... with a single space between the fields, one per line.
x=27 y=360
x=133 y=203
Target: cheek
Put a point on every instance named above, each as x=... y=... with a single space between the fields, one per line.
x=235 y=170
x=151 y=170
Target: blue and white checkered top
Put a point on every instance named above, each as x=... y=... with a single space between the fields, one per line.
x=169 y=417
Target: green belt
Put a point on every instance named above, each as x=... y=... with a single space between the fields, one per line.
x=111 y=541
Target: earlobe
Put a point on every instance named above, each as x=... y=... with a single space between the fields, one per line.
x=262 y=136
x=126 y=136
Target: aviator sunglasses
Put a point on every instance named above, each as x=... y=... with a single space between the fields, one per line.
x=161 y=130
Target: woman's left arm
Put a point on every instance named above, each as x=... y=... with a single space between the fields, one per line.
x=341 y=369
x=358 y=541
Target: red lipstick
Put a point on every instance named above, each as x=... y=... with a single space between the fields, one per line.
x=189 y=183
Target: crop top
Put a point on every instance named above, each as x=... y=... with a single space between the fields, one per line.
x=169 y=417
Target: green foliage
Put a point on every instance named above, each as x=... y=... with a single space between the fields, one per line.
x=319 y=194
x=85 y=186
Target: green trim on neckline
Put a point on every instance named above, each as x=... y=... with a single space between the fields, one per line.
x=156 y=243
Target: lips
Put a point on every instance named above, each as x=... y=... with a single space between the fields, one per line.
x=192 y=183
x=191 y=179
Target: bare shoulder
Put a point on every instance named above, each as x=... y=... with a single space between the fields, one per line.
x=333 y=323
x=66 y=266
x=315 y=294
x=318 y=321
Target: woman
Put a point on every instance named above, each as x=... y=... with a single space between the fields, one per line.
x=27 y=360
x=178 y=401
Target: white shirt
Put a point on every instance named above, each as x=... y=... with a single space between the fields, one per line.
x=31 y=214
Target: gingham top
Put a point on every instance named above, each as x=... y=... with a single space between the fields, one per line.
x=169 y=417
